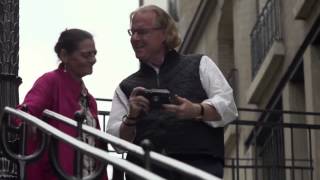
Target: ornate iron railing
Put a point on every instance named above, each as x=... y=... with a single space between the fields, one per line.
x=266 y=30
x=164 y=161
x=51 y=134
x=271 y=157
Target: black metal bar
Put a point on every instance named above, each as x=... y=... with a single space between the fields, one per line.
x=60 y=172
x=268 y=166
x=292 y=154
x=256 y=154
x=237 y=148
x=272 y=124
x=22 y=164
x=21 y=158
x=310 y=153
x=232 y=170
x=273 y=173
x=104 y=99
x=23 y=146
x=104 y=123
x=54 y=160
x=279 y=111
x=104 y=113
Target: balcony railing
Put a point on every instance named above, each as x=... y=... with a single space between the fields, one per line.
x=280 y=149
x=266 y=30
x=52 y=135
x=276 y=152
x=49 y=136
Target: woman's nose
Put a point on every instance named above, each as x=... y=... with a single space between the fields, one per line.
x=92 y=60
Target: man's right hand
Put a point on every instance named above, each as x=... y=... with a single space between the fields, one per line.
x=138 y=103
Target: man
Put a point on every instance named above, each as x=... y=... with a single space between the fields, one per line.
x=189 y=129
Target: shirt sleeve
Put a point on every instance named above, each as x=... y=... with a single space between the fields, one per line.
x=39 y=96
x=120 y=107
x=219 y=92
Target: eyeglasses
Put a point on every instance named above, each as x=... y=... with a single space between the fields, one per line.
x=142 y=31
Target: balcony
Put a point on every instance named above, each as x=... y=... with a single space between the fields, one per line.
x=267 y=50
x=265 y=32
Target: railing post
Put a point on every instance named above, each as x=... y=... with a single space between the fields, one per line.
x=22 y=164
x=23 y=145
x=79 y=117
x=147 y=145
x=237 y=149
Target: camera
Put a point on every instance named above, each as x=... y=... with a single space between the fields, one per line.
x=157 y=97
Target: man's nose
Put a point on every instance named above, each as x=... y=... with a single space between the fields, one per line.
x=135 y=36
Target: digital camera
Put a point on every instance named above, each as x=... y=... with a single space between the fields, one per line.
x=157 y=97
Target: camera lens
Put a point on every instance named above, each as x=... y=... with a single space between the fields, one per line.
x=155 y=99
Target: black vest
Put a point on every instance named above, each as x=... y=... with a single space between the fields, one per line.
x=180 y=75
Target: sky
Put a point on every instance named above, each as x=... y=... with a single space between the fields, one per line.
x=41 y=23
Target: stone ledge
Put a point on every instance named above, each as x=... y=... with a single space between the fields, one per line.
x=267 y=71
x=303 y=8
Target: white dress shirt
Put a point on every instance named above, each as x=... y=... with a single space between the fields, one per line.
x=219 y=92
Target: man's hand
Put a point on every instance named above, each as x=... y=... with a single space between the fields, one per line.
x=137 y=102
x=183 y=108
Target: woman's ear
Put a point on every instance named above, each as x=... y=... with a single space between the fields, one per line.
x=63 y=55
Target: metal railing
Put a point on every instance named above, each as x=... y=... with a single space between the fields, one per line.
x=159 y=159
x=51 y=134
x=265 y=32
x=280 y=150
x=276 y=147
x=270 y=138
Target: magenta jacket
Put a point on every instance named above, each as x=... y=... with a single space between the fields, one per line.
x=59 y=92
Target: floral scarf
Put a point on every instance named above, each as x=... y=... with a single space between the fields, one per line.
x=88 y=162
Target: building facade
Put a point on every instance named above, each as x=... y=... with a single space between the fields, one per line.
x=9 y=79
x=269 y=50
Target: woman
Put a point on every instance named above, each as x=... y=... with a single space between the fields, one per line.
x=64 y=92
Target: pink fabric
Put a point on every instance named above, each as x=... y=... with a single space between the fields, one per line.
x=59 y=92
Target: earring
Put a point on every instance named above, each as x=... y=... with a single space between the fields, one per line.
x=64 y=68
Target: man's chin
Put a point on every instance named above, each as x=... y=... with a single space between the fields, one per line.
x=140 y=57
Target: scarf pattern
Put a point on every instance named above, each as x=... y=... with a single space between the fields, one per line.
x=88 y=162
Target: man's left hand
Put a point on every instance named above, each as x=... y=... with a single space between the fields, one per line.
x=183 y=108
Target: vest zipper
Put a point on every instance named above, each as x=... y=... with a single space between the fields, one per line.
x=158 y=80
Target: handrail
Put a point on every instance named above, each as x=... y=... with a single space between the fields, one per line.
x=93 y=151
x=137 y=150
